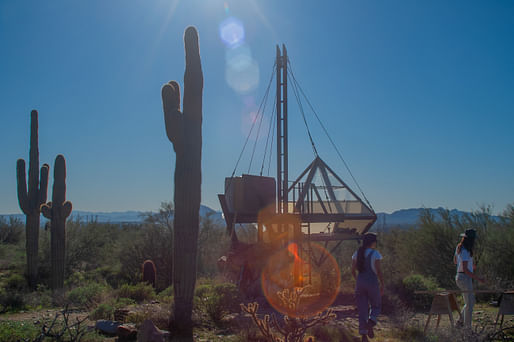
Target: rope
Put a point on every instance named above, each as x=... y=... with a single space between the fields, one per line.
x=297 y=95
x=264 y=101
x=247 y=138
x=272 y=136
x=330 y=139
x=267 y=138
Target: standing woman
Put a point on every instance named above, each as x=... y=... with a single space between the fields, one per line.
x=368 y=290
x=463 y=258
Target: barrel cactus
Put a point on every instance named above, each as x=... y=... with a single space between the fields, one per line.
x=30 y=201
x=57 y=212
x=184 y=130
x=149 y=272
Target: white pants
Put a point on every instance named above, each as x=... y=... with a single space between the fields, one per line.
x=465 y=283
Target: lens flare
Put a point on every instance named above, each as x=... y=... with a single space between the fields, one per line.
x=232 y=32
x=239 y=57
x=295 y=265
x=242 y=80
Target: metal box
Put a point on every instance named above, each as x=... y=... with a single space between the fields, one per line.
x=248 y=194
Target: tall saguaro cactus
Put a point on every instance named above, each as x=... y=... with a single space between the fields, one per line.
x=31 y=200
x=57 y=211
x=184 y=130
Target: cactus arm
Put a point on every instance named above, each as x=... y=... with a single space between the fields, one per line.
x=66 y=209
x=172 y=113
x=43 y=184
x=23 y=198
x=59 y=189
x=193 y=76
x=33 y=181
x=46 y=210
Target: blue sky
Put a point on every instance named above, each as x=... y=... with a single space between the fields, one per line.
x=418 y=95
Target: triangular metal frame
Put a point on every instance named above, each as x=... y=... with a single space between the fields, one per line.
x=340 y=215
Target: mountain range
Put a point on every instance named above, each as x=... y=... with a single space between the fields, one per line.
x=400 y=218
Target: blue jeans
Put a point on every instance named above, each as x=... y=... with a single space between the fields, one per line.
x=367 y=293
x=465 y=283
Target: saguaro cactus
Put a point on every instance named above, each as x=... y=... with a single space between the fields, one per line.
x=31 y=200
x=184 y=130
x=57 y=211
x=149 y=272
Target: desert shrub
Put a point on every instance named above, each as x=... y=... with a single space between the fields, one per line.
x=166 y=295
x=140 y=292
x=12 y=296
x=106 y=310
x=41 y=298
x=213 y=242
x=150 y=241
x=17 y=331
x=498 y=252
x=331 y=333
x=392 y=303
x=75 y=279
x=11 y=230
x=87 y=295
x=123 y=302
x=158 y=314
x=217 y=300
x=15 y=282
x=11 y=301
x=417 y=282
x=102 y=311
x=433 y=245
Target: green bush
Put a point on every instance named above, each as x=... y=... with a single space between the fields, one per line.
x=102 y=311
x=123 y=302
x=166 y=295
x=217 y=300
x=11 y=301
x=331 y=333
x=39 y=299
x=417 y=282
x=11 y=231
x=15 y=282
x=106 y=310
x=17 y=331
x=85 y=296
x=140 y=292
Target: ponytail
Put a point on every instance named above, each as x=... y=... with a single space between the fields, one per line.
x=367 y=241
x=360 y=258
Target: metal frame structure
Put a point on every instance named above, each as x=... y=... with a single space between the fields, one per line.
x=301 y=203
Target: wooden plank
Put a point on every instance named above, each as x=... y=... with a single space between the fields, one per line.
x=461 y=291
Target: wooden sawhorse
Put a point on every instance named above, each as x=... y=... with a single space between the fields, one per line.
x=506 y=306
x=444 y=303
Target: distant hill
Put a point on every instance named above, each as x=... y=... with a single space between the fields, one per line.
x=130 y=216
x=403 y=218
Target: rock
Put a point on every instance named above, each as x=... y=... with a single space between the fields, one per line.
x=127 y=332
x=148 y=332
x=107 y=327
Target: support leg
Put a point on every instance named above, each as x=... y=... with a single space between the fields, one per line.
x=426 y=325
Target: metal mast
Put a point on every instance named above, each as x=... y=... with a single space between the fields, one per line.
x=282 y=163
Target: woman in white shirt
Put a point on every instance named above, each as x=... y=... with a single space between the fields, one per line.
x=463 y=258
